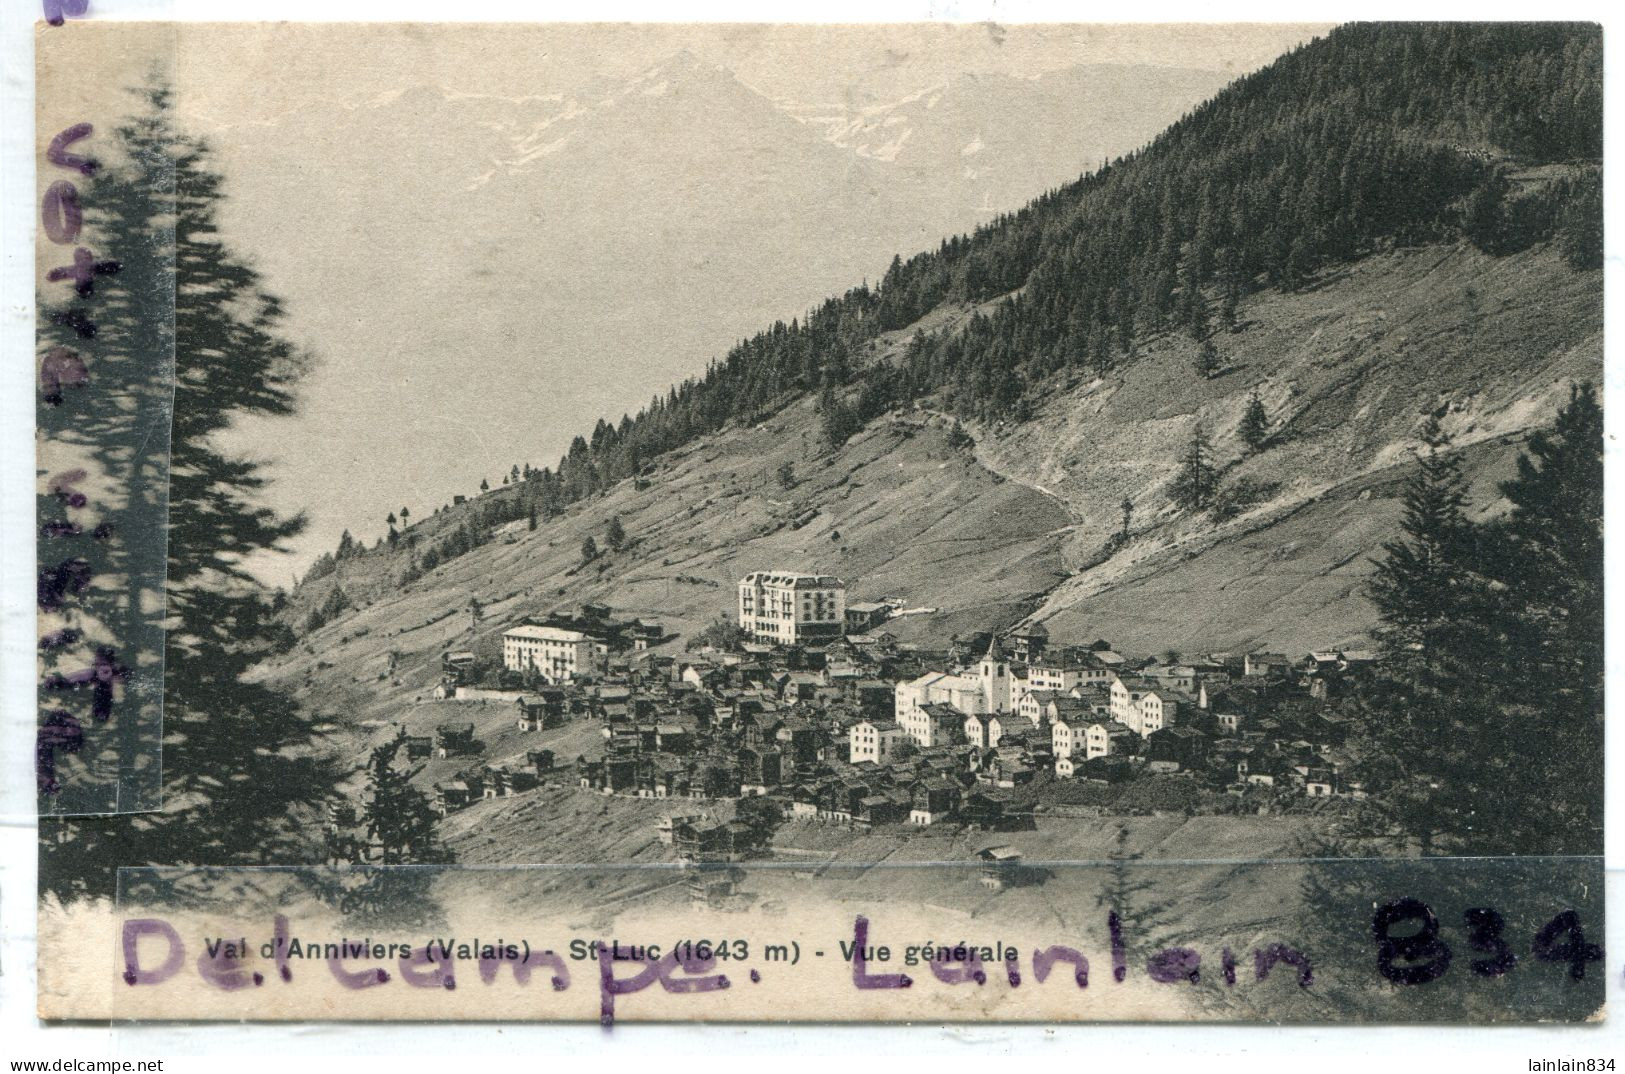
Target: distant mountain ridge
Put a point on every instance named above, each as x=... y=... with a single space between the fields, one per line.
x=927 y=130
x=1011 y=138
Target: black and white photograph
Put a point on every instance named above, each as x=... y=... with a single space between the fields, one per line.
x=945 y=522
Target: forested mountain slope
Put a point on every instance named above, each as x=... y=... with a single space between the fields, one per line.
x=1393 y=220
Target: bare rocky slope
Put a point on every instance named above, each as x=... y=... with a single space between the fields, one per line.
x=1346 y=369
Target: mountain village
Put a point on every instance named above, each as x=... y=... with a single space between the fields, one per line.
x=808 y=705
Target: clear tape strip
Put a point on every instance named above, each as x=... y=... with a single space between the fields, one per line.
x=1316 y=941
x=105 y=380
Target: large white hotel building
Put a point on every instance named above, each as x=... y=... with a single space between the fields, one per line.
x=788 y=608
x=558 y=654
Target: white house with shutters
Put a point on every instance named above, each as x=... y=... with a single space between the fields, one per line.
x=874 y=741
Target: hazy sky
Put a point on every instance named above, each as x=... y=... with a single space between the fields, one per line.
x=225 y=71
x=462 y=323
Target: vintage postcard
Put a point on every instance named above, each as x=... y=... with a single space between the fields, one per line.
x=824 y=523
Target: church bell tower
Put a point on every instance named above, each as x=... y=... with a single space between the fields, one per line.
x=995 y=676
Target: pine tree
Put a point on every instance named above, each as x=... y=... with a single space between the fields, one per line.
x=1419 y=584
x=1207 y=359
x=398 y=817
x=243 y=767
x=1196 y=315
x=1483 y=220
x=1125 y=336
x=839 y=422
x=1193 y=488
x=1100 y=350
x=1548 y=553
x=1489 y=705
x=1255 y=423
x=1579 y=226
x=1132 y=898
x=405 y=514
x=589 y=549
x=1544 y=665
x=1127 y=507
x=616 y=534
x=759 y=818
x=485 y=486
x=1230 y=290
x=1423 y=713
x=1298 y=265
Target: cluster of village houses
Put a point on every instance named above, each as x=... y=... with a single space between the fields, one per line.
x=823 y=710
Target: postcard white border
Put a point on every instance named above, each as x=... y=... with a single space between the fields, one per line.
x=268 y=1047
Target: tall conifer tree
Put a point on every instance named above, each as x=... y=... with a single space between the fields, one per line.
x=243 y=767
x=1197 y=480
x=1421 y=576
x=1255 y=423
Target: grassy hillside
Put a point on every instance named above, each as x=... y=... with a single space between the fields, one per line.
x=1017 y=524
x=897 y=511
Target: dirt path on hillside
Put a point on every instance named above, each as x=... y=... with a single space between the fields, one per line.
x=980 y=454
x=986 y=463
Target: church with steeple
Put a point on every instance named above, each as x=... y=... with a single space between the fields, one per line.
x=994 y=673
x=990 y=689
